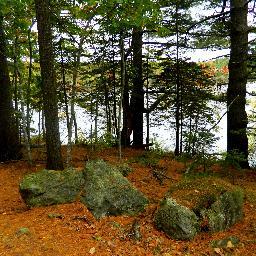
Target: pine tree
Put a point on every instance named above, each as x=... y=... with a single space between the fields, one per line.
x=9 y=135
x=43 y=15
x=237 y=141
x=137 y=96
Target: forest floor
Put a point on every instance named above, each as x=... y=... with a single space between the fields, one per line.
x=74 y=231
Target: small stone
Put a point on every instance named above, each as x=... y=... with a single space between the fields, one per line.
x=218 y=251
x=229 y=244
x=55 y=216
x=92 y=250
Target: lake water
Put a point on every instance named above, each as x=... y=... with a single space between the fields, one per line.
x=161 y=133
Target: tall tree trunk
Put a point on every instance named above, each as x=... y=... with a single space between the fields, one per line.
x=107 y=109
x=96 y=118
x=49 y=88
x=39 y=128
x=68 y=119
x=127 y=114
x=147 y=103
x=236 y=94
x=178 y=87
x=14 y=85
x=137 y=97
x=24 y=128
x=114 y=93
x=28 y=96
x=18 y=86
x=77 y=62
x=9 y=133
x=43 y=126
x=122 y=53
x=75 y=126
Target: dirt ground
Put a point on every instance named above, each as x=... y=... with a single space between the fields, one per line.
x=71 y=230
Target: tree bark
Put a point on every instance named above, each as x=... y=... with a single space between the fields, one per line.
x=18 y=86
x=49 y=88
x=127 y=114
x=114 y=91
x=178 y=89
x=236 y=94
x=28 y=96
x=137 y=97
x=123 y=67
x=9 y=133
x=107 y=108
x=68 y=119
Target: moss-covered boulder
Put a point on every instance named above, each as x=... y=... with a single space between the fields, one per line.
x=49 y=187
x=225 y=212
x=176 y=220
x=216 y=203
x=107 y=192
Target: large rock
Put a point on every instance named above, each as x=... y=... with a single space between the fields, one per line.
x=107 y=192
x=216 y=203
x=49 y=187
x=176 y=220
x=226 y=211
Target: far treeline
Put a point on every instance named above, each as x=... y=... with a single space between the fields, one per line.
x=124 y=62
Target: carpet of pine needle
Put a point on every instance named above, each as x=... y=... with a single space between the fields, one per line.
x=70 y=229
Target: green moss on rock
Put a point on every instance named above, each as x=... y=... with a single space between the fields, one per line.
x=49 y=187
x=199 y=193
x=176 y=220
x=226 y=211
x=217 y=204
x=107 y=192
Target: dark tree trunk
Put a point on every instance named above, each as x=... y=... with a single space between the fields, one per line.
x=68 y=119
x=114 y=91
x=9 y=133
x=127 y=116
x=122 y=53
x=236 y=94
x=107 y=108
x=43 y=15
x=179 y=89
x=137 y=97
x=30 y=46
x=14 y=85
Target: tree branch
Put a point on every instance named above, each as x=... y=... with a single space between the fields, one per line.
x=208 y=18
x=156 y=103
x=224 y=113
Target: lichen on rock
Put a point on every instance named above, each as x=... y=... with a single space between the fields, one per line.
x=176 y=220
x=226 y=211
x=216 y=204
x=107 y=192
x=49 y=187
